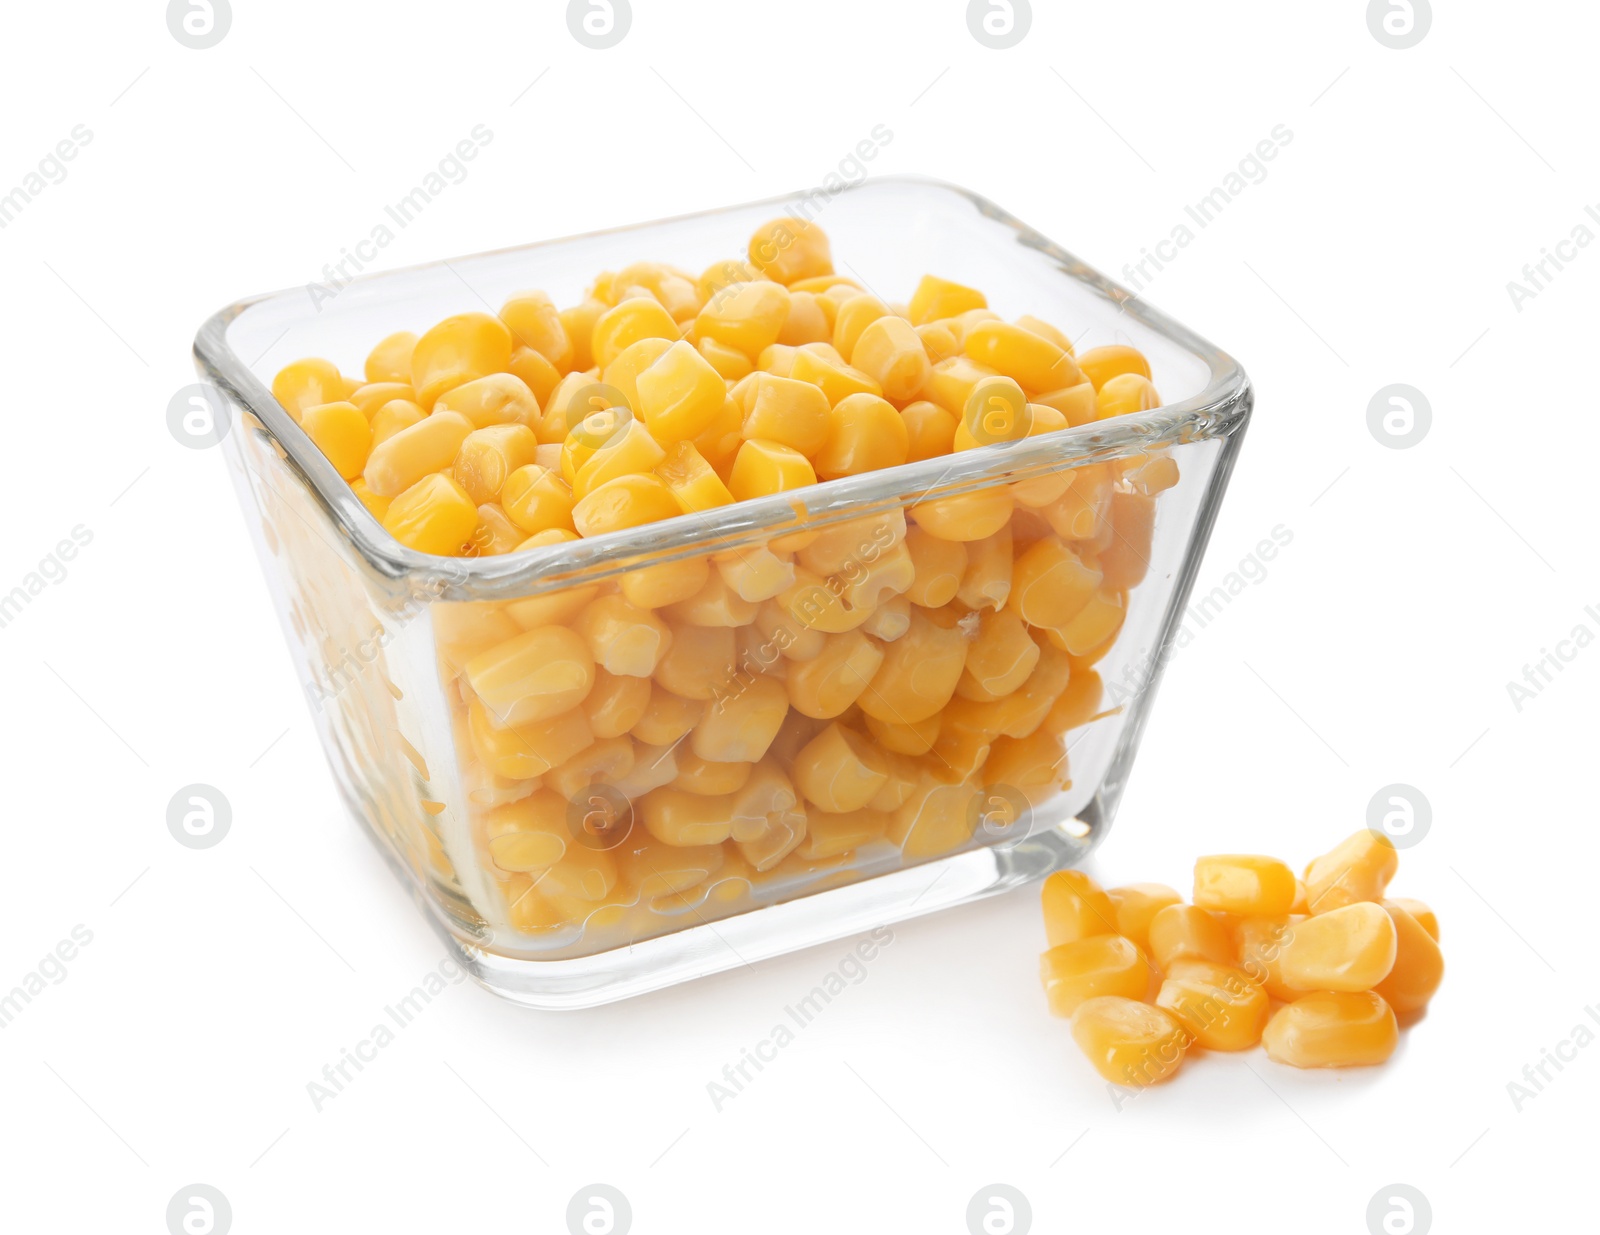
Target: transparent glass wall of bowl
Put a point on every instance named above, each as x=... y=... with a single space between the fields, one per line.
x=383 y=638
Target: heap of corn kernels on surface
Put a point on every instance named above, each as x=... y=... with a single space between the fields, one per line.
x=662 y=393
x=1321 y=971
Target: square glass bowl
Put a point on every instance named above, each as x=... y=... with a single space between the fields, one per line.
x=566 y=869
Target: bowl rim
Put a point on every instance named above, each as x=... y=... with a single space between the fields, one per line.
x=1220 y=409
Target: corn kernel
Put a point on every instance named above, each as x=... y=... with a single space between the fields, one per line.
x=788 y=250
x=390 y=360
x=495 y=534
x=307 y=383
x=999 y=658
x=937 y=298
x=488 y=456
x=537 y=499
x=730 y=363
x=498 y=399
x=1100 y=364
x=839 y=770
x=622 y=638
x=540 y=673
x=826 y=369
x=698 y=664
x=1136 y=905
x=1129 y=1043
x=639 y=317
x=429 y=446
x=1077 y=403
x=891 y=352
x=934 y=819
x=373 y=395
x=342 y=433
x=938 y=340
x=755 y=574
x=1093 y=966
x=534 y=322
x=807 y=321
x=938 y=566
x=919 y=672
x=780 y=409
x=1074 y=907
x=1078 y=703
x=622 y=374
x=715 y=604
x=456 y=351
x=1357 y=869
x=1051 y=584
x=667 y=718
x=1045 y=330
x=604 y=762
x=580 y=323
x=530 y=835
x=682 y=819
x=739 y=726
x=986 y=582
x=970 y=516
x=1125 y=394
x=535 y=372
x=664 y=583
x=709 y=777
x=1031 y=360
x=392 y=417
x=829 y=684
x=615 y=703
x=1221 y=1009
x=379 y=506
x=583 y=874
x=1094 y=626
x=433 y=516
x=831 y=835
x=764 y=467
x=630 y=451
x=627 y=501
x=1245 y=884
x=1347 y=949
x=1418 y=964
x=1332 y=1029
x=525 y=751
x=865 y=433
x=1425 y=917
x=1183 y=931
x=748 y=317
x=680 y=395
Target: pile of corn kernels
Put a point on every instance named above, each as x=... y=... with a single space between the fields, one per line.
x=761 y=717
x=1342 y=965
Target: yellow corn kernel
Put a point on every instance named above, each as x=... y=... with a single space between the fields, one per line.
x=937 y=298
x=782 y=833
x=495 y=533
x=631 y=451
x=788 y=250
x=934 y=819
x=522 y=752
x=691 y=480
x=1051 y=584
x=535 y=372
x=540 y=673
x=986 y=582
x=535 y=322
x=430 y=445
x=498 y=399
x=1095 y=965
x=964 y=742
x=1182 y=931
x=622 y=638
x=865 y=433
x=537 y=499
x=1128 y=1042
x=1425 y=916
x=341 y=432
x=965 y=322
x=1094 y=626
x=655 y=870
x=1258 y=945
x=379 y=506
x=891 y=352
x=680 y=395
x=1101 y=364
x=627 y=501
x=615 y=703
x=919 y=671
x=764 y=467
x=1045 y=330
x=1078 y=404
x=748 y=317
x=999 y=658
x=461 y=631
x=938 y=566
x=710 y=778
x=580 y=322
x=622 y=374
x=1245 y=884
x=1024 y=711
x=1348 y=949
x=831 y=835
x=723 y=274
x=674 y=289
x=938 y=340
x=839 y=770
x=852 y=317
x=458 y=350
x=373 y=395
x=1332 y=1029
x=575 y=396
x=806 y=322
x=530 y=835
x=755 y=574
x=831 y=374
x=699 y=664
x=593 y=431
x=307 y=383
x=1136 y=905
x=1033 y=361
x=785 y=634
x=739 y=727
x=876 y=580
x=1030 y=762
x=829 y=683
x=583 y=874
x=841 y=548
x=605 y=762
x=1357 y=869
x=390 y=361
x=1418 y=964
x=1221 y=1008
x=664 y=583
x=393 y=417
x=675 y=817
x=719 y=444
x=433 y=516
x=1124 y=394
x=968 y=517
x=729 y=362
x=996 y=411
x=913 y=739
x=1075 y=907
x=716 y=604
x=1078 y=703
x=668 y=717
x=488 y=456
x=777 y=360
x=792 y=413
x=639 y=317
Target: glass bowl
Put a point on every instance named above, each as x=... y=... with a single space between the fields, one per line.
x=639 y=883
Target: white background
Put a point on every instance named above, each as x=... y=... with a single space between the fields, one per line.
x=1377 y=649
